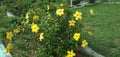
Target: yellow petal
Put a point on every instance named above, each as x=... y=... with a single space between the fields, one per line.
x=84 y=43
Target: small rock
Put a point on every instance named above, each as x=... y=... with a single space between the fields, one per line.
x=9 y=14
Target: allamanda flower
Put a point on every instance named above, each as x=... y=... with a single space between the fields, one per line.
x=91 y=11
x=7 y=49
x=41 y=36
x=76 y=36
x=61 y=5
x=27 y=21
x=34 y=28
x=27 y=16
x=16 y=30
x=9 y=35
x=90 y=33
x=60 y=12
x=35 y=17
x=78 y=15
x=48 y=7
x=70 y=54
x=84 y=43
x=72 y=23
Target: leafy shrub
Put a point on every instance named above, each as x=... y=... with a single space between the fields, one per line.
x=50 y=30
x=20 y=7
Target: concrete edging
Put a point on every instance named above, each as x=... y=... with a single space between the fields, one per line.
x=89 y=51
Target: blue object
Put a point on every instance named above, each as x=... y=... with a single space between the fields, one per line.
x=2 y=54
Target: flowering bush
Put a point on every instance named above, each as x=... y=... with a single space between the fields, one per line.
x=52 y=31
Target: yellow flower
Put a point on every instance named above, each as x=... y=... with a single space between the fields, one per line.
x=23 y=29
x=41 y=36
x=35 y=17
x=78 y=15
x=91 y=11
x=60 y=12
x=76 y=36
x=27 y=21
x=16 y=30
x=72 y=23
x=47 y=12
x=61 y=5
x=7 y=49
x=90 y=33
x=48 y=7
x=34 y=28
x=70 y=54
x=84 y=43
x=27 y=16
x=9 y=35
x=50 y=18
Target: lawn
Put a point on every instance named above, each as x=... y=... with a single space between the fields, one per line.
x=105 y=25
x=112 y=0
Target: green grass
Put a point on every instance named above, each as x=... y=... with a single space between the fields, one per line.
x=112 y=0
x=105 y=25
